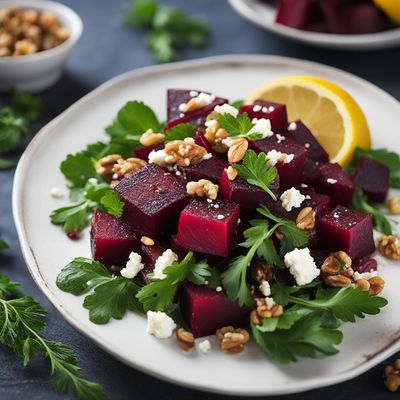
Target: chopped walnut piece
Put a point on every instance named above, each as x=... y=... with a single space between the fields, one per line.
x=306 y=219
x=184 y=152
x=185 y=339
x=392 y=376
x=377 y=284
x=150 y=138
x=147 y=241
x=237 y=149
x=363 y=284
x=232 y=340
x=394 y=205
x=268 y=308
x=124 y=168
x=232 y=173
x=202 y=188
x=260 y=271
x=337 y=281
x=105 y=165
x=338 y=263
x=388 y=246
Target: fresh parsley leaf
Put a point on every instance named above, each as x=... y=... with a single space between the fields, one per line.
x=78 y=169
x=13 y=128
x=22 y=322
x=306 y=338
x=236 y=126
x=72 y=218
x=3 y=244
x=5 y=164
x=384 y=156
x=26 y=105
x=360 y=202
x=161 y=45
x=112 y=203
x=268 y=252
x=9 y=289
x=237 y=104
x=109 y=296
x=256 y=171
x=141 y=13
x=180 y=132
x=159 y=294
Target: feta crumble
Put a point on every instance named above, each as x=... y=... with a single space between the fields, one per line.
x=365 y=275
x=265 y=288
x=265 y=109
x=218 y=289
x=262 y=126
x=204 y=346
x=226 y=109
x=201 y=100
x=133 y=266
x=207 y=156
x=302 y=266
x=292 y=126
x=193 y=93
x=269 y=302
x=307 y=145
x=160 y=324
x=280 y=138
x=158 y=157
x=331 y=181
x=292 y=198
x=275 y=156
x=257 y=108
x=165 y=260
x=56 y=193
x=220 y=216
x=211 y=123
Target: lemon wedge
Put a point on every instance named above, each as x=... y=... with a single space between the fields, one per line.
x=391 y=8
x=331 y=114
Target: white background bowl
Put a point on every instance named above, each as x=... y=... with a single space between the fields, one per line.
x=39 y=71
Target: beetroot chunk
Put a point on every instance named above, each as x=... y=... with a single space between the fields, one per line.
x=275 y=112
x=143 y=152
x=373 y=178
x=292 y=173
x=206 y=310
x=111 y=239
x=247 y=196
x=210 y=169
x=209 y=228
x=298 y=13
x=333 y=181
x=303 y=136
x=201 y=140
x=348 y=230
x=153 y=198
x=175 y=97
x=365 y=264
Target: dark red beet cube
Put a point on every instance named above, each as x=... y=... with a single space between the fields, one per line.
x=175 y=97
x=249 y=197
x=206 y=310
x=201 y=140
x=303 y=136
x=334 y=181
x=365 y=264
x=298 y=13
x=275 y=112
x=210 y=169
x=311 y=171
x=373 y=178
x=111 y=239
x=348 y=230
x=209 y=228
x=149 y=258
x=292 y=173
x=153 y=199
x=143 y=152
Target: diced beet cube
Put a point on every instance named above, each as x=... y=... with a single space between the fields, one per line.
x=143 y=152
x=206 y=310
x=319 y=256
x=348 y=230
x=303 y=136
x=201 y=140
x=292 y=173
x=111 y=239
x=334 y=181
x=275 y=112
x=311 y=171
x=149 y=258
x=209 y=228
x=373 y=178
x=249 y=197
x=175 y=247
x=298 y=13
x=210 y=169
x=153 y=198
x=365 y=264
x=175 y=97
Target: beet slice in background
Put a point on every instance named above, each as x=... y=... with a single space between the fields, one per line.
x=298 y=14
x=210 y=169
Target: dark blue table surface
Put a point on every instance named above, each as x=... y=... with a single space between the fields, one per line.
x=108 y=48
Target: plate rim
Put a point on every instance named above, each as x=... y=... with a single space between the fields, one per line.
x=33 y=265
x=379 y=40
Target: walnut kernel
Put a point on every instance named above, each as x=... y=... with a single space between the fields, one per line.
x=185 y=339
x=202 y=188
x=124 y=168
x=306 y=219
x=237 y=149
x=388 y=246
x=149 y=138
x=105 y=165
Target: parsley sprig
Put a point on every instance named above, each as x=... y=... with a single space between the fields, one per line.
x=22 y=321
x=238 y=126
x=159 y=295
x=256 y=171
x=3 y=244
x=258 y=242
x=106 y=297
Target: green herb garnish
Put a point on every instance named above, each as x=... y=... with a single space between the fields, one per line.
x=180 y=132
x=3 y=244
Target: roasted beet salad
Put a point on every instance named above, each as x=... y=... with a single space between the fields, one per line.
x=227 y=220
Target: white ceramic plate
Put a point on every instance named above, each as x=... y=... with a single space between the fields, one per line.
x=264 y=15
x=47 y=249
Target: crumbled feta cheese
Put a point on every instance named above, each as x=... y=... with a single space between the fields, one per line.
x=271 y=108
x=257 y=108
x=226 y=109
x=365 y=275
x=269 y=302
x=331 y=181
x=160 y=324
x=218 y=289
x=265 y=288
x=207 y=156
x=292 y=198
x=307 y=145
x=133 y=266
x=265 y=109
x=204 y=346
x=56 y=193
x=165 y=260
x=216 y=205
x=220 y=216
x=209 y=201
x=211 y=123
x=158 y=157
x=227 y=141
x=193 y=93
x=262 y=126
x=292 y=126
x=280 y=138
x=302 y=266
x=303 y=185
x=201 y=100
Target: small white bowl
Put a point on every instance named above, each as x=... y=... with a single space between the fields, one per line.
x=39 y=71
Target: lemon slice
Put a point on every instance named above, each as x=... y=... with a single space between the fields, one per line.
x=391 y=8
x=329 y=112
